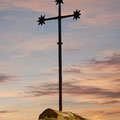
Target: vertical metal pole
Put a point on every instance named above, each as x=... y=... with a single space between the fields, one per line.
x=60 y=57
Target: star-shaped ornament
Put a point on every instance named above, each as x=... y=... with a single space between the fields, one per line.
x=77 y=14
x=41 y=20
x=58 y=1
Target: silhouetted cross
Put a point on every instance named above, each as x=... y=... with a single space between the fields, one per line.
x=76 y=15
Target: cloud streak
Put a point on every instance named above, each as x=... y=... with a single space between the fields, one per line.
x=107 y=65
x=109 y=102
x=72 y=71
x=104 y=113
x=5 y=78
x=70 y=88
x=8 y=111
x=113 y=60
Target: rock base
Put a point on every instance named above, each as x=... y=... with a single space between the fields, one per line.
x=50 y=114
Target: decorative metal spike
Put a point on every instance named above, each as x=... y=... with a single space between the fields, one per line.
x=41 y=20
x=76 y=14
x=58 y=1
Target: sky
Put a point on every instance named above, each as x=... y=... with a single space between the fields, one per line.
x=29 y=59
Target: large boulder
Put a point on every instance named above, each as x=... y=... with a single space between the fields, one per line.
x=50 y=114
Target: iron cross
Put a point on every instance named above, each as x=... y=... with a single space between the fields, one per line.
x=41 y=20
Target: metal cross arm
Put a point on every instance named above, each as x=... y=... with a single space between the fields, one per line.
x=42 y=19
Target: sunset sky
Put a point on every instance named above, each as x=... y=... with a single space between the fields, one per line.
x=29 y=59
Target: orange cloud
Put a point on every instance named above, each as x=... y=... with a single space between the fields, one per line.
x=108 y=102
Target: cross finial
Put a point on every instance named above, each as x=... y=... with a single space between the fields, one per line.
x=77 y=14
x=58 y=1
x=41 y=20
